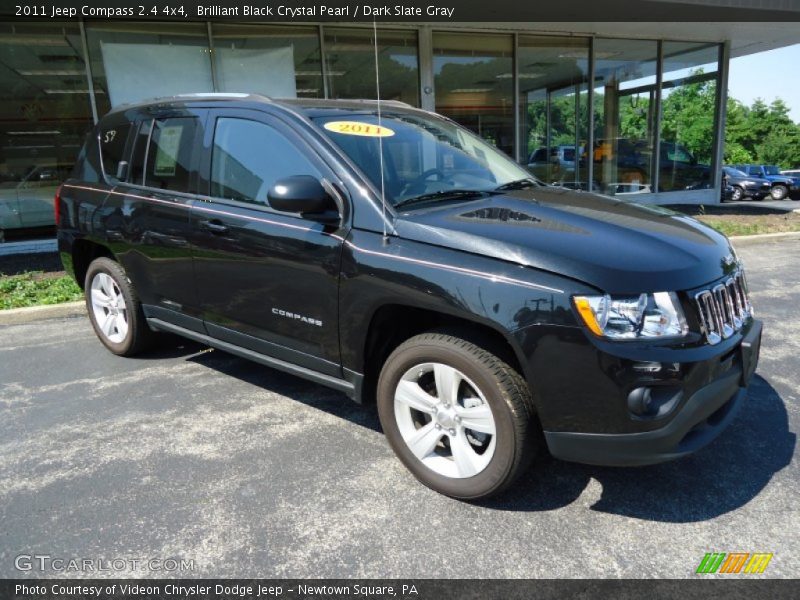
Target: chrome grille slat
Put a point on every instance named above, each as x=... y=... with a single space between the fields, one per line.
x=724 y=308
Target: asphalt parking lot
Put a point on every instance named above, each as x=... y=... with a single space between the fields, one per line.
x=768 y=203
x=195 y=454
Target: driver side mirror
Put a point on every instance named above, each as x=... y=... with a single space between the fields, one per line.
x=303 y=194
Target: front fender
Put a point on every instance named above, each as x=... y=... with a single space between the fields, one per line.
x=503 y=296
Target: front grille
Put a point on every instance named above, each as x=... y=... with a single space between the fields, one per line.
x=724 y=308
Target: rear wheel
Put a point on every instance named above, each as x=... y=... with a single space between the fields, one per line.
x=114 y=309
x=456 y=415
x=779 y=192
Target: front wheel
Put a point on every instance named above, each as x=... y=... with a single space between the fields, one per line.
x=738 y=194
x=779 y=192
x=114 y=309
x=458 y=417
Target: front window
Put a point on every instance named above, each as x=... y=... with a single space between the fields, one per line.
x=424 y=157
x=772 y=170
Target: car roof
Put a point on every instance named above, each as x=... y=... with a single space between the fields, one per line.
x=311 y=107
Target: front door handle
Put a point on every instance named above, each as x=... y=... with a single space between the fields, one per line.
x=214 y=226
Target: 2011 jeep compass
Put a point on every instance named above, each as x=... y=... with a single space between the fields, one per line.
x=399 y=257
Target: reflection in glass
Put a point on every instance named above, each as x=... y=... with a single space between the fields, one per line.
x=350 y=64
x=46 y=113
x=688 y=109
x=425 y=158
x=473 y=77
x=281 y=62
x=625 y=119
x=134 y=61
x=554 y=102
x=245 y=163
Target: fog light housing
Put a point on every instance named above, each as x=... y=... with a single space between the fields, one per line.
x=652 y=402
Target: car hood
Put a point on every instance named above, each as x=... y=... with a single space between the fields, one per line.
x=616 y=246
x=753 y=178
x=780 y=179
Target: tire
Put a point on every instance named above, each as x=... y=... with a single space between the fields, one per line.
x=779 y=192
x=114 y=309
x=449 y=456
x=738 y=193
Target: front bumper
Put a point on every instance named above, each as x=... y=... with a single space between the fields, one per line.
x=697 y=422
x=757 y=192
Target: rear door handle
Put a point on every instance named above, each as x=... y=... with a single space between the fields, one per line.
x=214 y=226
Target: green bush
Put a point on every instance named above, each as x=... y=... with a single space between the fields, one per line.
x=35 y=288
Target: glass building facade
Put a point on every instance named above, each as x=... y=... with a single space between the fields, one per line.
x=619 y=116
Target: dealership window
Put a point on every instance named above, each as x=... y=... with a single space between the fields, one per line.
x=350 y=64
x=474 y=84
x=245 y=163
x=46 y=113
x=688 y=116
x=281 y=62
x=625 y=116
x=134 y=61
x=554 y=108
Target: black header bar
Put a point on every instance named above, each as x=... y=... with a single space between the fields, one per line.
x=408 y=589
x=408 y=11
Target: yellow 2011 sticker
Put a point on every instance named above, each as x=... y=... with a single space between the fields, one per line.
x=358 y=128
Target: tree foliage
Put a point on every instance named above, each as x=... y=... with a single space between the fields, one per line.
x=761 y=133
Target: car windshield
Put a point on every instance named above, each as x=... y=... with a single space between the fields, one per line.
x=734 y=172
x=772 y=170
x=424 y=157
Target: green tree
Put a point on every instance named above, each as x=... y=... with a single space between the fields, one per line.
x=762 y=134
x=688 y=117
x=738 y=139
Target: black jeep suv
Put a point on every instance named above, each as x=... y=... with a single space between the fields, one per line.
x=397 y=257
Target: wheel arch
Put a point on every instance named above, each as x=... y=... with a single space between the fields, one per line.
x=392 y=324
x=83 y=253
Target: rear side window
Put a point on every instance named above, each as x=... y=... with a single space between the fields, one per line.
x=113 y=139
x=170 y=153
x=249 y=156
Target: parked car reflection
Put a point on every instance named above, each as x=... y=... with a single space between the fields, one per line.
x=28 y=202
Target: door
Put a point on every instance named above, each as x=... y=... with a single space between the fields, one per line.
x=147 y=215
x=266 y=280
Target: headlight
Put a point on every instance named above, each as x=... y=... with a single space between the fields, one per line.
x=645 y=316
x=749 y=183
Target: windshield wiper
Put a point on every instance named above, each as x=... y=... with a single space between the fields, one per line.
x=440 y=195
x=518 y=184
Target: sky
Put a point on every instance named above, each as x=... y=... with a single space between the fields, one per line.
x=768 y=75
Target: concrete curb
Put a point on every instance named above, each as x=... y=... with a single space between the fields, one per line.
x=28 y=247
x=742 y=240
x=18 y=316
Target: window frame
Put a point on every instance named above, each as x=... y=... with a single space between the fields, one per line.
x=270 y=119
x=194 y=179
x=132 y=132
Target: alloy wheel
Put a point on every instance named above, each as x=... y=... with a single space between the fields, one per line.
x=109 y=308
x=445 y=420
